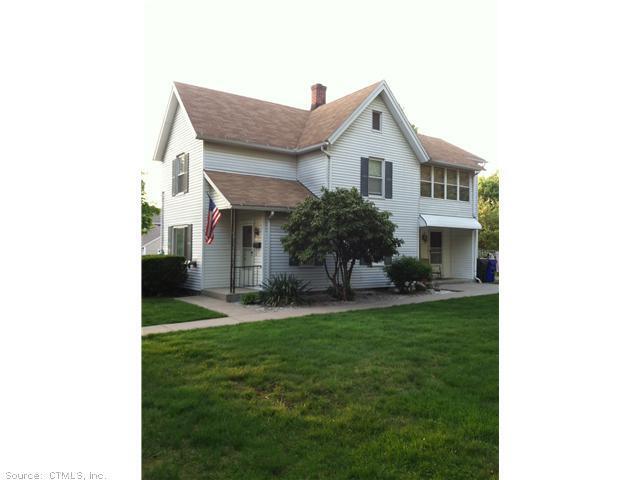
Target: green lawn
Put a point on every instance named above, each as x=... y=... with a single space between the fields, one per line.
x=407 y=392
x=156 y=311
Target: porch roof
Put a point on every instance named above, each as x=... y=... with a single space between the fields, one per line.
x=260 y=192
x=450 y=222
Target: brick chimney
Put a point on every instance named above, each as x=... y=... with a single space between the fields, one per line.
x=318 y=95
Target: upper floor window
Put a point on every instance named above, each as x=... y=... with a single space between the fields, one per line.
x=376 y=120
x=375 y=176
x=452 y=184
x=181 y=174
x=438 y=182
x=464 y=183
x=426 y=180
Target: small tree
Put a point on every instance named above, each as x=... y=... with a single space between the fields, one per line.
x=343 y=226
x=148 y=211
x=489 y=211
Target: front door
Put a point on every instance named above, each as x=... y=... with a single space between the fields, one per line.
x=435 y=252
x=247 y=246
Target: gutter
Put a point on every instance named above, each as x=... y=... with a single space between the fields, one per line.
x=256 y=146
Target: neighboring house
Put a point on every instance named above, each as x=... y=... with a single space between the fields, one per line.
x=258 y=160
x=152 y=240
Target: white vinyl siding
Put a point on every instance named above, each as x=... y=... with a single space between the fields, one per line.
x=217 y=255
x=184 y=209
x=461 y=256
x=248 y=161
x=278 y=259
x=360 y=140
x=313 y=170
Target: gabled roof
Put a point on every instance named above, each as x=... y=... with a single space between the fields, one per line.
x=228 y=118
x=254 y=191
x=224 y=116
x=448 y=154
x=327 y=118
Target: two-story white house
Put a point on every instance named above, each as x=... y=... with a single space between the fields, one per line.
x=258 y=160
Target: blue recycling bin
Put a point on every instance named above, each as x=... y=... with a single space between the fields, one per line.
x=490 y=275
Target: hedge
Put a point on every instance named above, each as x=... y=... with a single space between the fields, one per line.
x=162 y=274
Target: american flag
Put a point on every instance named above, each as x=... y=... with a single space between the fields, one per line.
x=213 y=217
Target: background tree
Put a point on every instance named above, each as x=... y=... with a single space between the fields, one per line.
x=343 y=227
x=148 y=211
x=489 y=211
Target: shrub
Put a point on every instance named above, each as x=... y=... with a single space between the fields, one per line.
x=162 y=274
x=283 y=289
x=341 y=293
x=404 y=272
x=251 y=298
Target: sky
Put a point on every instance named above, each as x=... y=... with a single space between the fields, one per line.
x=437 y=57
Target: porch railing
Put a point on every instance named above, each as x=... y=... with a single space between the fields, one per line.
x=247 y=276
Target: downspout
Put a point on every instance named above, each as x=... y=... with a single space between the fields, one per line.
x=322 y=149
x=476 y=233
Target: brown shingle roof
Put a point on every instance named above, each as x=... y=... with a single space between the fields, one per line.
x=444 y=152
x=326 y=119
x=224 y=116
x=253 y=191
x=219 y=115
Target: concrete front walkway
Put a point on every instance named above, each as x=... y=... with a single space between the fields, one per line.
x=237 y=313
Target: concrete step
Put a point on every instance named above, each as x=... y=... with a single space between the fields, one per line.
x=224 y=294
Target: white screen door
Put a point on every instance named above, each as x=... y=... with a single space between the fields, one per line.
x=247 y=245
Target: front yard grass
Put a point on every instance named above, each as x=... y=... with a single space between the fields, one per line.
x=408 y=392
x=157 y=311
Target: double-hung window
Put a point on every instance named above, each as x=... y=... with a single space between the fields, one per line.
x=465 y=182
x=452 y=184
x=181 y=174
x=375 y=176
x=180 y=240
x=376 y=120
x=438 y=182
x=426 y=180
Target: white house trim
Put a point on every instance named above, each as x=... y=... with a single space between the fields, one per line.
x=253 y=146
x=167 y=123
x=216 y=189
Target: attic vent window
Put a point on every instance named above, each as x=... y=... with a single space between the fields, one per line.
x=376 y=119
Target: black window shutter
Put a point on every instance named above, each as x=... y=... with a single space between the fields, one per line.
x=187 y=242
x=364 y=176
x=170 y=241
x=388 y=179
x=174 y=177
x=186 y=176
